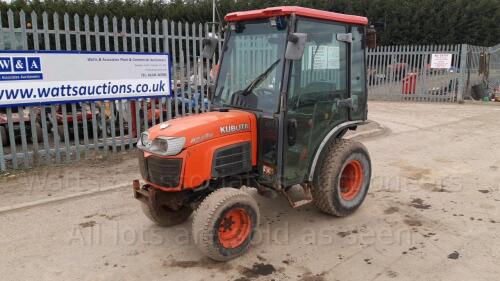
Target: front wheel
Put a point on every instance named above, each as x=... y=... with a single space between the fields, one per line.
x=342 y=180
x=224 y=224
x=160 y=213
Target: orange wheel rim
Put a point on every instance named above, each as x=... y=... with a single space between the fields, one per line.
x=234 y=228
x=351 y=180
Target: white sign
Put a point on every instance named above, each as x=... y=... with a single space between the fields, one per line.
x=325 y=57
x=61 y=77
x=441 y=61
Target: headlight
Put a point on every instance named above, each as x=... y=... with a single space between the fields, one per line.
x=168 y=146
x=165 y=146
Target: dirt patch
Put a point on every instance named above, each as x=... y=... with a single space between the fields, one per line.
x=412 y=222
x=205 y=263
x=87 y=224
x=109 y=217
x=261 y=258
x=257 y=270
x=419 y=204
x=484 y=191
x=309 y=276
x=391 y=210
x=434 y=187
x=453 y=256
x=414 y=173
x=494 y=168
x=392 y=274
x=346 y=233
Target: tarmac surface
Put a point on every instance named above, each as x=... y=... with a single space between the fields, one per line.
x=432 y=213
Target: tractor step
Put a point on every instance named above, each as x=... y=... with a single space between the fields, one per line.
x=307 y=197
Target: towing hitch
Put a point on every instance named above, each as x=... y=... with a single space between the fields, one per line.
x=140 y=193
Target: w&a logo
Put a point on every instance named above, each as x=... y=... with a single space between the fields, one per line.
x=20 y=64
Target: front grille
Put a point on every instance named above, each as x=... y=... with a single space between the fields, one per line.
x=165 y=172
x=232 y=160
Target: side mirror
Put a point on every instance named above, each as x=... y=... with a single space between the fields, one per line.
x=371 y=37
x=296 y=46
x=209 y=46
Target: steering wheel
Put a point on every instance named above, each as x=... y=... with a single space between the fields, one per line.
x=264 y=92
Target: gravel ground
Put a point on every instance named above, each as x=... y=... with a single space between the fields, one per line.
x=432 y=213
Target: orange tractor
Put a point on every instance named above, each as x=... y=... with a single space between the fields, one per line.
x=291 y=83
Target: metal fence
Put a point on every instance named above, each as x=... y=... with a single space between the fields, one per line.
x=494 y=69
x=404 y=73
x=30 y=136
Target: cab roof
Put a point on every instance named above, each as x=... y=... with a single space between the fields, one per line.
x=299 y=11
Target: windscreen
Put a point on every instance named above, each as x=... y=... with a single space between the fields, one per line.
x=252 y=67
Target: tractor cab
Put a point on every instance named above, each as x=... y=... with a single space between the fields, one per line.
x=291 y=82
x=302 y=73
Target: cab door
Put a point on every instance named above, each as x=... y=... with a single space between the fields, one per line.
x=358 y=88
x=317 y=83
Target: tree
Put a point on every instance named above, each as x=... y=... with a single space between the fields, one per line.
x=407 y=21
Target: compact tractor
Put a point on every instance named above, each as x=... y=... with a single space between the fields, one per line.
x=291 y=83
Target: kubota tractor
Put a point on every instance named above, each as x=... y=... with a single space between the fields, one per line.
x=291 y=83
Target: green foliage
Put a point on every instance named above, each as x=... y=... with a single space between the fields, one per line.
x=407 y=21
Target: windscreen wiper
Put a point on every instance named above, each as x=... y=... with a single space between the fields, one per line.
x=256 y=82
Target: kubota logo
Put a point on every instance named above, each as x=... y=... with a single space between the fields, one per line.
x=234 y=128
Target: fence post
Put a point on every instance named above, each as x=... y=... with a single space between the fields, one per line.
x=2 y=157
x=463 y=68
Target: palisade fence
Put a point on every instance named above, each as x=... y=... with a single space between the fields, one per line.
x=38 y=135
x=494 y=69
x=404 y=73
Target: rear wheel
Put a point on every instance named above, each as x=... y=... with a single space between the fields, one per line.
x=160 y=213
x=343 y=178
x=3 y=135
x=224 y=224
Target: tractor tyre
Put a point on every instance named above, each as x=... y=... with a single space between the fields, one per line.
x=161 y=214
x=225 y=223
x=3 y=136
x=342 y=179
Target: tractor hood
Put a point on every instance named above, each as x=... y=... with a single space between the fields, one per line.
x=206 y=126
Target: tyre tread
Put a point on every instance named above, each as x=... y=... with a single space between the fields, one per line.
x=206 y=214
x=331 y=162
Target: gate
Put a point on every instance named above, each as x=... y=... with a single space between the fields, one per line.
x=35 y=135
x=404 y=73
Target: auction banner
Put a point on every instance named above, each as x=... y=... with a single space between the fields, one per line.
x=48 y=77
